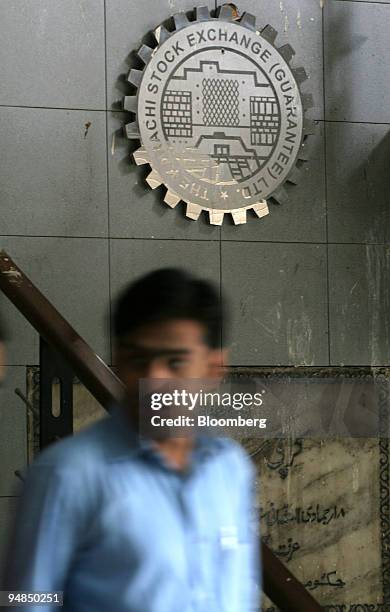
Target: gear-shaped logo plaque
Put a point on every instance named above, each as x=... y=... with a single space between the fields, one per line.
x=220 y=115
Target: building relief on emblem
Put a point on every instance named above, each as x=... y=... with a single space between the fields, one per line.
x=220 y=115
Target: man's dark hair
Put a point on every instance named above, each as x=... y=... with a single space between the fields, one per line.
x=169 y=294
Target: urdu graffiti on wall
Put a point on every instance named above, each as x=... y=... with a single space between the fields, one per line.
x=220 y=115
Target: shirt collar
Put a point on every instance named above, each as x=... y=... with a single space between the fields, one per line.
x=206 y=446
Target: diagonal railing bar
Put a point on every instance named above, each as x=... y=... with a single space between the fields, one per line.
x=95 y=375
x=279 y=584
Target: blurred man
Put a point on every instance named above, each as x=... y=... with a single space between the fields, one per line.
x=127 y=524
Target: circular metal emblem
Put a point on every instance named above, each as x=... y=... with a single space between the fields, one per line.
x=220 y=115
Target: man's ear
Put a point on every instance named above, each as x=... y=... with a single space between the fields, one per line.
x=217 y=362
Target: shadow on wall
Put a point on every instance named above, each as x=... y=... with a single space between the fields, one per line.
x=359 y=200
x=375 y=176
x=339 y=28
x=362 y=211
x=358 y=154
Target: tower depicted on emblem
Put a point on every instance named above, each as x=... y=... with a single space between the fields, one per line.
x=232 y=116
x=219 y=115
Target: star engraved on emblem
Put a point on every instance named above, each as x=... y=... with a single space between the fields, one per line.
x=223 y=195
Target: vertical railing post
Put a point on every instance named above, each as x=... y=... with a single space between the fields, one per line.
x=54 y=369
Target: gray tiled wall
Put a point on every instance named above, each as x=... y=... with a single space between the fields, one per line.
x=356 y=43
x=53 y=54
x=7 y=513
x=308 y=283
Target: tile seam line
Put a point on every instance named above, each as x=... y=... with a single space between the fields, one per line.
x=9 y=496
x=200 y=240
x=325 y=152
x=61 y=108
x=109 y=330
x=363 y=2
x=240 y=365
x=122 y=111
x=301 y=366
x=351 y=122
x=54 y=236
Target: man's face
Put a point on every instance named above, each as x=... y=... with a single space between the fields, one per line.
x=168 y=350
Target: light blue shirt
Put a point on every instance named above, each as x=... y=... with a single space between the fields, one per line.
x=103 y=518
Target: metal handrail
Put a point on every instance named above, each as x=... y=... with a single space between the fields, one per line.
x=279 y=584
x=95 y=375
